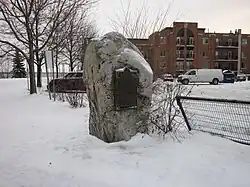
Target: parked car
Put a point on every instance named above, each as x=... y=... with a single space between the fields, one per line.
x=241 y=77
x=167 y=77
x=229 y=76
x=72 y=81
x=212 y=76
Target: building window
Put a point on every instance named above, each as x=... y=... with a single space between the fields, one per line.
x=205 y=41
x=191 y=41
x=163 y=53
x=189 y=65
x=216 y=53
x=178 y=54
x=190 y=54
x=179 y=65
x=204 y=54
x=178 y=40
x=230 y=42
x=242 y=65
x=163 y=64
x=216 y=65
x=163 y=40
x=244 y=41
x=229 y=54
x=217 y=40
x=243 y=55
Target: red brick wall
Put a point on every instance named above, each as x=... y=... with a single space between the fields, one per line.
x=246 y=50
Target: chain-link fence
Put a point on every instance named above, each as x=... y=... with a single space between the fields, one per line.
x=227 y=118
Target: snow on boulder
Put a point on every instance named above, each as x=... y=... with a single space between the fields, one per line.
x=119 y=87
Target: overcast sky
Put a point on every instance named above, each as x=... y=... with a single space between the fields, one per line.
x=215 y=15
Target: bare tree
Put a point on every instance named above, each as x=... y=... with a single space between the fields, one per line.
x=71 y=39
x=17 y=19
x=31 y=24
x=7 y=53
x=87 y=33
x=55 y=44
x=5 y=61
x=49 y=30
x=139 y=23
x=77 y=34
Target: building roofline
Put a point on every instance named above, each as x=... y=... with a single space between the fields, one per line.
x=185 y=22
x=167 y=28
x=137 y=38
x=228 y=33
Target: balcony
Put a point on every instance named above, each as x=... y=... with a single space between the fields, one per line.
x=226 y=58
x=181 y=57
x=224 y=44
x=190 y=56
x=181 y=42
x=190 y=42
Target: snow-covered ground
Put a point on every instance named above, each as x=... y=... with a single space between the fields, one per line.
x=238 y=90
x=45 y=143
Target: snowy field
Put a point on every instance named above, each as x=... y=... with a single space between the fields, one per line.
x=46 y=144
x=238 y=91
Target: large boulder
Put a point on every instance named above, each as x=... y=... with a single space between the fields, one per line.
x=119 y=88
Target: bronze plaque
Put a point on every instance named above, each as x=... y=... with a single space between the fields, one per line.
x=126 y=82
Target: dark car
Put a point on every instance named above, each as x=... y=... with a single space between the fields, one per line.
x=72 y=81
x=229 y=76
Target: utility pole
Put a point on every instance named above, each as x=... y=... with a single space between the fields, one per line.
x=185 y=45
x=239 y=52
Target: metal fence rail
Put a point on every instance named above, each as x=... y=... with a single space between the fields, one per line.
x=227 y=118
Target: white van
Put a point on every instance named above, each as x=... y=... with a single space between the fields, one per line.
x=212 y=76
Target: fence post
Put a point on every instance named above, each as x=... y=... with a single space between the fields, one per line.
x=183 y=112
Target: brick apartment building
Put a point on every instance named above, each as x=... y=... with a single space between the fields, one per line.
x=185 y=46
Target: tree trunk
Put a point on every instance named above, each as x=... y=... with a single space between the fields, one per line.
x=38 y=60
x=39 y=75
x=82 y=60
x=39 y=70
x=32 y=75
x=56 y=63
x=71 y=62
x=81 y=66
x=32 y=69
